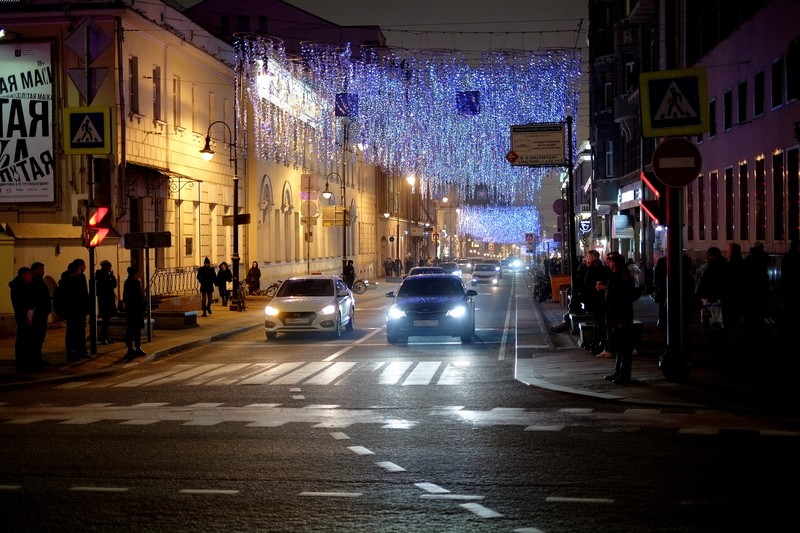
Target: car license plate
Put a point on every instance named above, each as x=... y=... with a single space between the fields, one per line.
x=297 y=321
x=426 y=323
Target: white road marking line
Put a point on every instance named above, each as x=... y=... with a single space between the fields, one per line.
x=186 y=374
x=208 y=491
x=353 y=345
x=480 y=510
x=329 y=375
x=545 y=428
x=332 y=494
x=10 y=487
x=211 y=376
x=298 y=397
x=338 y=435
x=453 y=374
x=431 y=488
x=393 y=372
x=98 y=489
x=271 y=374
x=450 y=497
x=504 y=337
x=390 y=467
x=150 y=378
x=139 y=422
x=360 y=450
x=560 y=499
x=423 y=373
x=301 y=373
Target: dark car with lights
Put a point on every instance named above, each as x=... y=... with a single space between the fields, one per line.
x=451 y=268
x=431 y=304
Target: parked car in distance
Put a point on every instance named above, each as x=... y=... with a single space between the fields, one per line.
x=513 y=264
x=431 y=304
x=310 y=303
x=416 y=271
x=485 y=273
x=451 y=268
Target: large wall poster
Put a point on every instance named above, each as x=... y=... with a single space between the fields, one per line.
x=27 y=164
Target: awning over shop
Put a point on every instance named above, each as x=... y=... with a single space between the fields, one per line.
x=157 y=177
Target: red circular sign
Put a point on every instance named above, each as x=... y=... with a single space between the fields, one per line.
x=677 y=162
x=560 y=206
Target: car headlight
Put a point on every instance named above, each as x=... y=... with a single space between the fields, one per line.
x=457 y=312
x=271 y=311
x=494 y=281
x=395 y=312
x=328 y=310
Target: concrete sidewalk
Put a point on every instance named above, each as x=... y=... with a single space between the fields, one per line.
x=728 y=377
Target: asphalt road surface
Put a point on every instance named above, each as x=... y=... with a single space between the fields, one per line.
x=304 y=433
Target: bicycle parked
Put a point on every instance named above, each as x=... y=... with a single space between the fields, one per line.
x=360 y=286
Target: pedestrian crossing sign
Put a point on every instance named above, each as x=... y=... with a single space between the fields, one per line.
x=88 y=130
x=674 y=102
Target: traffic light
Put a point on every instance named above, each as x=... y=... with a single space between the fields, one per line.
x=656 y=191
x=96 y=227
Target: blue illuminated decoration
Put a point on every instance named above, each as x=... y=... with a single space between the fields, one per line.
x=440 y=115
x=498 y=224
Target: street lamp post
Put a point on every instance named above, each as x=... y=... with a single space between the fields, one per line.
x=327 y=195
x=207 y=154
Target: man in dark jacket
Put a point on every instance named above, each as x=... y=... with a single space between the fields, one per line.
x=23 y=303
x=106 y=283
x=133 y=298
x=76 y=296
x=620 y=293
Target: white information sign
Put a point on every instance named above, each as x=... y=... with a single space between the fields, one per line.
x=538 y=145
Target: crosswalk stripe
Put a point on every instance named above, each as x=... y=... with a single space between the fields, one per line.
x=393 y=372
x=301 y=373
x=271 y=374
x=423 y=373
x=330 y=374
x=181 y=376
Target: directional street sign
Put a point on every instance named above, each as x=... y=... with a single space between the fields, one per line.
x=676 y=162
x=674 y=102
x=89 y=130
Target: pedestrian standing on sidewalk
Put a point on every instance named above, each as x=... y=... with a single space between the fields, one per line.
x=224 y=276
x=349 y=274
x=75 y=297
x=106 y=283
x=41 y=312
x=596 y=276
x=253 y=279
x=620 y=293
x=133 y=298
x=207 y=278
x=22 y=302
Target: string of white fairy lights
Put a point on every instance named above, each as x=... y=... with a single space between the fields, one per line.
x=435 y=114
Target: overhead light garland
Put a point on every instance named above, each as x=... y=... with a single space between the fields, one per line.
x=434 y=114
x=498 y=224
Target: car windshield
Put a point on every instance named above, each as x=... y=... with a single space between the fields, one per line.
x=449 y=266
x=426 y=270
x=431 y=286
x=484 y=267
x=306 y=287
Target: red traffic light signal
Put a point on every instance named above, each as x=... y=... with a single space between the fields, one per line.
x=96 y=226
x=655 y=190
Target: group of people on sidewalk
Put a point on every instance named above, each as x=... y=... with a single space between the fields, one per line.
x=732 y=294
x=71 y=302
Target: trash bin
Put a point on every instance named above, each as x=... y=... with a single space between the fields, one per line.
x=555 y=285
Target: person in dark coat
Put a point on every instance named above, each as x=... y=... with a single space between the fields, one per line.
x=22 y=301
x=224 y=275
x=106 y=283
x=208 y=279
x=133 y=298
x=41 y=313
x=594 y=300
x=76 y=295
x=620 y=293
x=253 y=279
x=349 y=274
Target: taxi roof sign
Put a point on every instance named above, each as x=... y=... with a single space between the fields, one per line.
x=674 y=102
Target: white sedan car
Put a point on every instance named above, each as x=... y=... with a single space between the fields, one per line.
x=310 y=303
x=485 y=273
